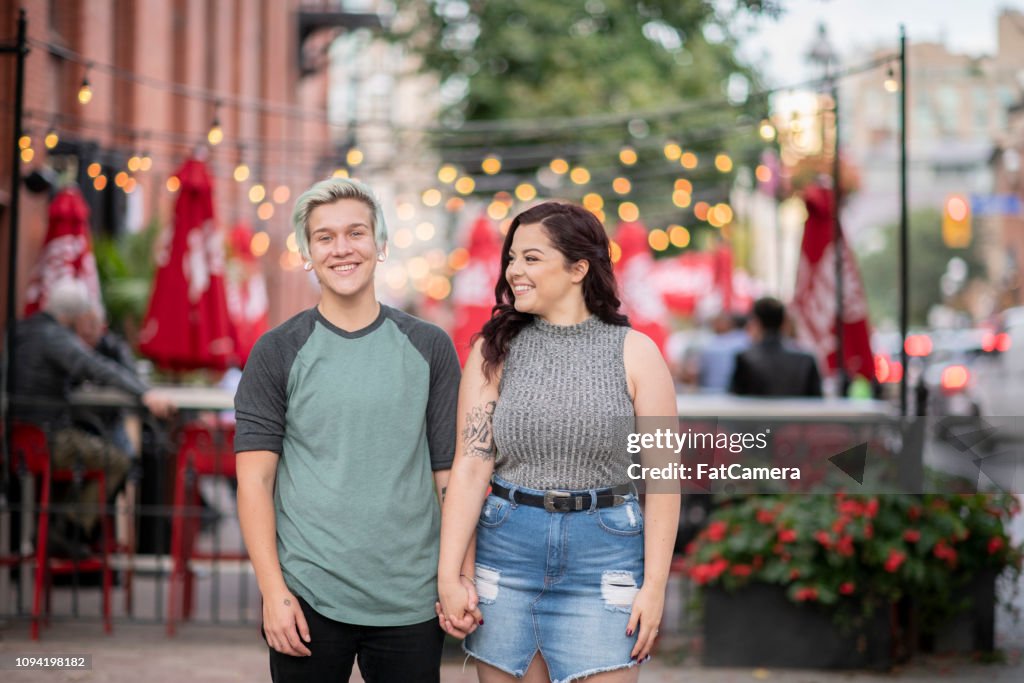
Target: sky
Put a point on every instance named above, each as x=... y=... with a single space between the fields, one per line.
x=855 y=26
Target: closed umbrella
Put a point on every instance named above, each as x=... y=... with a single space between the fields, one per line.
x=246 y=291
x=814 y=303
x=473 y=290
x=641 y=300
x=67 y=251
x=187 y=325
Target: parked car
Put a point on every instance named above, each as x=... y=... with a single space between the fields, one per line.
x=948 y=371
x=997 y=385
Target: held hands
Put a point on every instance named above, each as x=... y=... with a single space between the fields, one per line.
x=457 y=609
x=647 y=609
x=284 y=624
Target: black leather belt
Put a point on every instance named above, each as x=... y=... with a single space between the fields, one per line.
x=565 y=501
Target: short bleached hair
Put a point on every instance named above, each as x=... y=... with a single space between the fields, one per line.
x=67 y=299
x=328 y=192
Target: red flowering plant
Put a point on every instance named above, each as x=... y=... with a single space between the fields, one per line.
x=858 y=552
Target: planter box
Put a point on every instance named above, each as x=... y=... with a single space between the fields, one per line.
x=758 y=626
x=972 y=630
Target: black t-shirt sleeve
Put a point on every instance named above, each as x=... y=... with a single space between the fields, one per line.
x=261 y=399
x=442 y=404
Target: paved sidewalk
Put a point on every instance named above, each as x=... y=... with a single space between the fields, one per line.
x=215 y=654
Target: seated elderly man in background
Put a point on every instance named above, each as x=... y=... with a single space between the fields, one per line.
x=49 y=359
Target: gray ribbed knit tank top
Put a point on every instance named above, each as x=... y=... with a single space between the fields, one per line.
x=563 y=412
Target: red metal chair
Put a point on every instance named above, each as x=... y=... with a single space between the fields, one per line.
x=204 y=451
x=31 y=454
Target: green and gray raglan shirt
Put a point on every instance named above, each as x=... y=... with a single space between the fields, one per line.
x=359 y=420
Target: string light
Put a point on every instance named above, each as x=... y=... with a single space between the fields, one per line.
x=425 y=231
x=491 y=164
x=629 y=212
x=241 y=172
x=497 y=210
x=24 y=142
x=259 y=244
x=593 y=202
x=658 y=239
x=215 y=136
x=622 y=185
x=628 y=156
x=51 y=139
x=891 y=84
x=723 y=163
x=134 y=163
x=464 y=185
x=580 y=175
x=679 y=236
x=146 y=162
x=447 y=174
x=431 y=197
x=354 y=157
x=766 y=131
x=85 y=90
x=559 y=166
x=525 y=192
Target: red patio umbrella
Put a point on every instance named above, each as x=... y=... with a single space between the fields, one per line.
x=473 y=291
x=187 y=325
x=67 y=250
x=641 y=300
x=246 y=291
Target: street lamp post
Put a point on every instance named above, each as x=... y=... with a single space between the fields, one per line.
x=823 y=54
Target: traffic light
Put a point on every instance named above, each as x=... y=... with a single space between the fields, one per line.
x=956 y=221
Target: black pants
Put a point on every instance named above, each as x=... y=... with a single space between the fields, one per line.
x=386 y=654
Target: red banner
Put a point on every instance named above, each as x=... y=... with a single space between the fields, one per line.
x=814 y=303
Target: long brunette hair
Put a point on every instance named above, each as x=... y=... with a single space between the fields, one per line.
x=577 y=235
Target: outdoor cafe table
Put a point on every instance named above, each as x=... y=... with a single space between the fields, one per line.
x=158 y=472
x=190 y=398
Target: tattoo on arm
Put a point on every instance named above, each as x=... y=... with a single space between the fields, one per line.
x=444 y=492
x=478 y=435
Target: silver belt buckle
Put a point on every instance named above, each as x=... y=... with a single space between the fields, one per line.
x=549 y=499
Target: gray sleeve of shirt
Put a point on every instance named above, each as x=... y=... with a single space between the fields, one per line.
x=442 y=405
x=261 y=399
x=82 y=363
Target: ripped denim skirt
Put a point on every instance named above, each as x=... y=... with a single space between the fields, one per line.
x=557 y=583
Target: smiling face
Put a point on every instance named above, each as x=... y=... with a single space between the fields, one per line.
x=342 y=250
x=541 y=281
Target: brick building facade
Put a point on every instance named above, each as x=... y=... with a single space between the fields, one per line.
x=160 y=71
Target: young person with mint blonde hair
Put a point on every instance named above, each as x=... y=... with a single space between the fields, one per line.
x=345 y=434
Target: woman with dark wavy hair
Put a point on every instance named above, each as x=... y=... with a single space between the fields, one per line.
x=570 y=574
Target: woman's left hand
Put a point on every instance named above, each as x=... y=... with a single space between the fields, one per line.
x=648 y=606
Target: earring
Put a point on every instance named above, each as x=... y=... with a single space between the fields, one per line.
x=381 y=256
x=307 y=266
